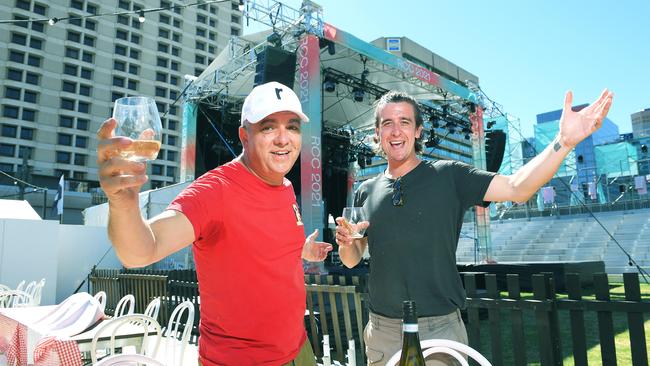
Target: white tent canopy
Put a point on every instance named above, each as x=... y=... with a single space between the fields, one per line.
x=14 y=209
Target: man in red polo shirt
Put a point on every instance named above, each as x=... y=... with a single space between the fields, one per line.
x=247 y=234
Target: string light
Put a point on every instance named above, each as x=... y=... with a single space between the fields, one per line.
x=241 y=5
x=139 y=13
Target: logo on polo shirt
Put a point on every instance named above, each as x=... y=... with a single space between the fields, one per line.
x=296 y=212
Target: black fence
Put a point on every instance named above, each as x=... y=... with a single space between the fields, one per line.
x=509 y=328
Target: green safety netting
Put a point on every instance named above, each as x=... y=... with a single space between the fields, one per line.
x=544 y=135
x=617 y=160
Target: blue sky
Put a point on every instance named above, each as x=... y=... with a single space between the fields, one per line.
x=525 y=53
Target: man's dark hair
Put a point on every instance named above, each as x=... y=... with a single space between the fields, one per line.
x=394 y=96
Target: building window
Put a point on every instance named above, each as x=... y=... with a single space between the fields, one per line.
x=17 y=75
x=89 y=41
x=171 y=155
x=174 y=65
x=81 y=141
x=80 y=159
x=115 y=96
x=26 y=133
x=12 y=93
x=9 y=131
x=162 y=47
x=173 y=94
x=200 y=32
x=156 y=169
x=123 y=4
x=172 y=125
x=133 y=69
x=135 y=38
x=176 y=22
x=134 y=54
x=63 y=157
x=119 y=65
x=171 y=171
x=176 y=51
x=79 y=175
x=84 y=90
x=22 y=4
x=30 y=96
x=67 y=104
x=76 y=20
x=7 y=150
x=87 y=57
x=91 y=24
x=92 y=9
x=18 y=38
x=83 y=107
x=176 y=37
x=70 y=69
x=29 y=115
x=31 y=78
x=10 y=111
x=120 y=50
x=160 y=76
x=66 y=121
x=162 y=62
x=123 y=19
x=173 y=80
x=121 y=34
x=16 y=56
x=132 y=84
x=34 y=61
x=160 y=92
x=163 y=33
x=200 y=45
x=82 y=124
x=72 y=53
x=163 y=19
x=171 y=140
x=77 y=4
x=36 y=43
x=69 y=87
x=39 y=9
x=199 y=59
x=86 y=73
x=64 y=139
x=74 y=37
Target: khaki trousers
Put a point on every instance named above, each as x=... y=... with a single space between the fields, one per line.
x=383 y=336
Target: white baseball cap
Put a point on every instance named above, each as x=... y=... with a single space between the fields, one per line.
x=266 y=99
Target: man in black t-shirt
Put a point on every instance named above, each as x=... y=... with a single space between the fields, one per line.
x=415 y=210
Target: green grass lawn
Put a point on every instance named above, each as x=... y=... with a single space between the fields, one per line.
x=622 y=338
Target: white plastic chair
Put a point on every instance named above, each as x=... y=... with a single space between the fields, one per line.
x=18 y=298
x=120 y=308
x=452 y=348
x=129 y=359
x=37 y=292
x=113 y=326
x=101 y=298
x=176 y=340
x=153 y=308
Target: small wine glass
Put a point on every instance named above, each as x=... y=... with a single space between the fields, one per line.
x=138 y=119
x=352 y=216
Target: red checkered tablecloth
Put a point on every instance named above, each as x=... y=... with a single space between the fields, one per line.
x=49 y=351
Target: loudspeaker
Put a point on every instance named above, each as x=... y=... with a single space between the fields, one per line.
x=495 y=144
x=275 y=64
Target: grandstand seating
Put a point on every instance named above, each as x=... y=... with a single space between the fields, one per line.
x=567 y=238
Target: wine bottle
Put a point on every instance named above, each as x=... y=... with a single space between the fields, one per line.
x=411 y=350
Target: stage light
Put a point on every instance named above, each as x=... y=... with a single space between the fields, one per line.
x=490 y=124
x=331 y=48
x=433 y=141
x=452 y=129
x=358 y=94
x=644 y=149
x=435 y=122
x=361 y=161
x=141 y=16
x=467 y=136
x=275 y=39
x=329 y=85
x=368 y=160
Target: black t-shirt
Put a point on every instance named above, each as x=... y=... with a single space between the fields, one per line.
x=413 y=246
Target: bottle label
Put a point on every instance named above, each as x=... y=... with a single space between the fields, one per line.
x=410 y=328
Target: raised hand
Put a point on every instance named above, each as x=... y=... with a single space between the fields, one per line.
x=576 y=126
x=344 y=231
x=120 y=179
x=315 y=251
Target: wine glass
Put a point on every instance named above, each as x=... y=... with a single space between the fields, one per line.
x=352 y=216
x=138 y=119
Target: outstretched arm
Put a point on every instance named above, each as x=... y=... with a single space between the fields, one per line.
x=574 y=127
x=315 y=251
x=137 y=242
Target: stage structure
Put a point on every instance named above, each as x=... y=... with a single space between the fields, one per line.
x=337 y=77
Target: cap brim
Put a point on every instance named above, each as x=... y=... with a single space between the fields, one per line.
x=303 y=117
